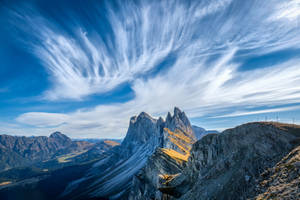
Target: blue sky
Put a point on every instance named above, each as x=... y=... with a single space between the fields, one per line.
x=85 y=67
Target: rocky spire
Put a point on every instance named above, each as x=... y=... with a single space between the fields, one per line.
x=169 y=117
x=179 y=121
x=177 y=111
x=143 y=129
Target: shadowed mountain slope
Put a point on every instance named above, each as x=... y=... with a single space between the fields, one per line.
x=18 y=151
x=230 y=165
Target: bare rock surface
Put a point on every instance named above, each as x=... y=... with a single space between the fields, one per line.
x=229 y=165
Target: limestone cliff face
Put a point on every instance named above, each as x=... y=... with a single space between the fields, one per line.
x=143 y=130
x=167 y=161
x=179 y=121
x=178 y=133
x=148 y=140
x=159 y=168
x=111 y=177
x=229 y=165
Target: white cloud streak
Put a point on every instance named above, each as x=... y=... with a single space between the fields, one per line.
x=273 y=110
x=43 y=119
x=203 y=80
x=287 y=10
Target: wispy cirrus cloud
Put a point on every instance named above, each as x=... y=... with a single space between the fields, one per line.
x=137 y=43
x=244 y=113
x=179 y=88
x=43 y=119
x=287 y=10
x=209 y=42
x=96 y=65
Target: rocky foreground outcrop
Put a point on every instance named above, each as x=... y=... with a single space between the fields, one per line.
x=281 y=181
x=251 y=161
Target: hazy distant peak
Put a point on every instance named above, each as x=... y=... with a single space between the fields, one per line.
x=58 y=134
x=62 y=138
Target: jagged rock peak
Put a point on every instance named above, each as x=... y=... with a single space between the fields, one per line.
x=160 y=120
x=142 y=129
x=62 y=138
x=145 y=129
x=58 y=134
x=177 y=111
x=179 y=115
x=133 y=119
x=178 y=121
x=169 y=117
x=144 y=115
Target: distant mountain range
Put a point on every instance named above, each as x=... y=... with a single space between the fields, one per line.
x=23 y=151
x=39 y=151
x=200 y=132
x=164 y=159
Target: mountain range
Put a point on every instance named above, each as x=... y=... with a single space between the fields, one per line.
x=23 y=151
x=158 y=159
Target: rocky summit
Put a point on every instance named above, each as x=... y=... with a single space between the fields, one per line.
x=168 y=159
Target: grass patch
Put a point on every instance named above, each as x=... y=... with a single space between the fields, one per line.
x=66 y=158
x=5 y=183
x=176 y=155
